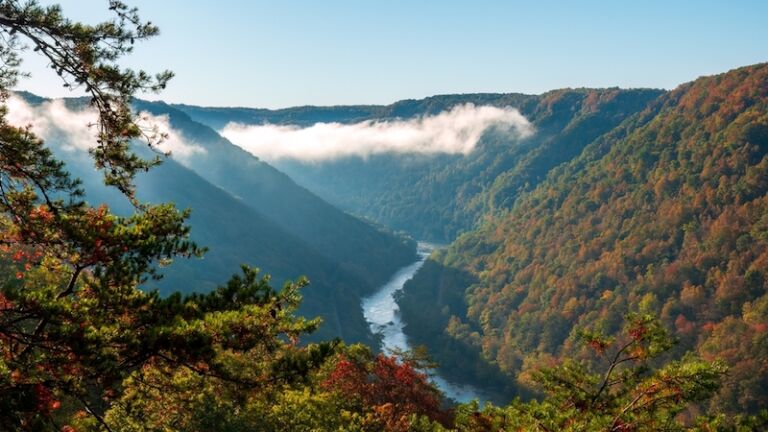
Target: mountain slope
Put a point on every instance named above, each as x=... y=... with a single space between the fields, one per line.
x=358 y=246
x=234 y=232
x=666 y=214
x=435 y=197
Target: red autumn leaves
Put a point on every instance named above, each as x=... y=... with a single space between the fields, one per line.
x=395 y=389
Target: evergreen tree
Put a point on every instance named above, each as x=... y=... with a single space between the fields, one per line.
x=630 y=394
x=73 y=323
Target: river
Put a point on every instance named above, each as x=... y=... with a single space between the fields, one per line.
x=382 y=313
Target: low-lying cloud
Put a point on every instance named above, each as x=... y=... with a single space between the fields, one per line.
x=173 y=142
x=456 y=131
x=55 y=123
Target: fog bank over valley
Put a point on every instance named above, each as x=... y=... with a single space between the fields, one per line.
x=456 y=131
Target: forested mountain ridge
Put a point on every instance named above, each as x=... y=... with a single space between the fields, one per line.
x=218 y=117
x=245 y=219
x=435 y=197
x=368 y=251
x=665 y=214
x=85 y=346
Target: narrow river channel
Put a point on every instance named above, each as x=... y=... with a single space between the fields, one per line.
x=383 y=315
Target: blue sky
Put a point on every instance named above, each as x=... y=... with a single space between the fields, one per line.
x=286 y=53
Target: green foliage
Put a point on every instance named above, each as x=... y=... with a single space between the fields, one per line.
x=738 y=423
x=436 y=197
x=392 y=389
x=665 y=214
x=296 y=235
x=430 y=306
x=245 y=335
x=627 y=395
x=72 y=320
x=85 y=56
x=80 y=345
x=330 y=396
x=83 y=348
x=365 y=251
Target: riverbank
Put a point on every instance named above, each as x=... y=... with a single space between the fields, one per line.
x=383 y=315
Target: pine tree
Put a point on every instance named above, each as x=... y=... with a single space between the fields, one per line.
x=75 y=328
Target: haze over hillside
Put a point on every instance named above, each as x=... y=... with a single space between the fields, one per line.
x=236 y=213
x=488 y=166
x=510 y=190
x=433 y=195
x=464 y=216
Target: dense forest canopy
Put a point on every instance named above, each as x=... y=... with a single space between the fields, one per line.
x=243 y=211
x=665 y=214
x=434 y=197
x=82 y=347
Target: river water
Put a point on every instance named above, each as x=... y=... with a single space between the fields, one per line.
x=383 y=315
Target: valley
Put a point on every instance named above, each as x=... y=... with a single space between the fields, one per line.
x=454 y=300
x=383 y=314
x=383 y=216
x=492 y=205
